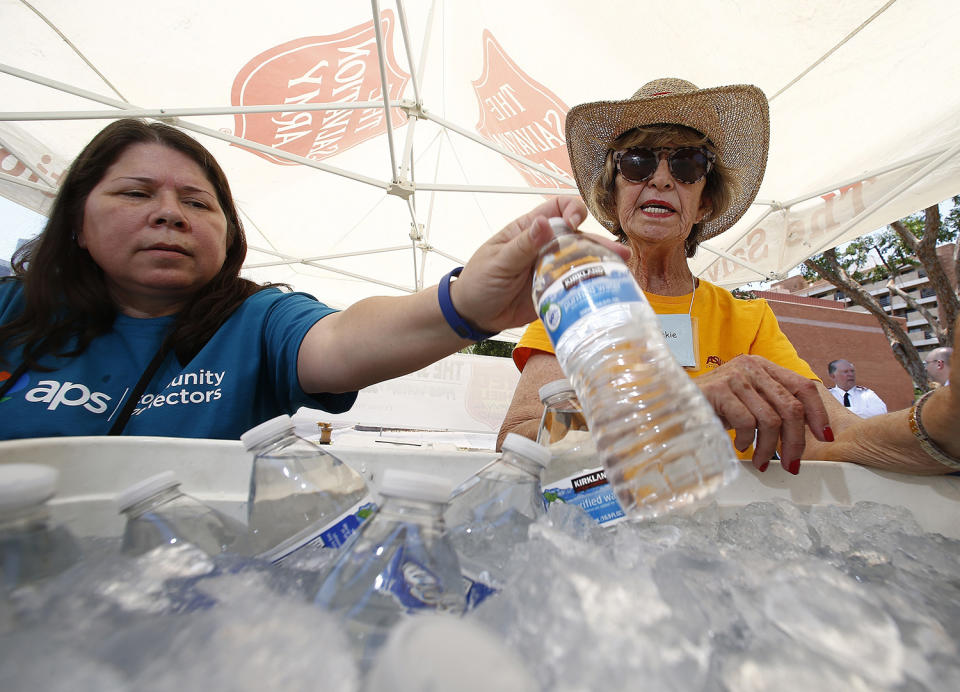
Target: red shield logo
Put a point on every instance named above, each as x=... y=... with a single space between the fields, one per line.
x=521 y=115
x=319 y=69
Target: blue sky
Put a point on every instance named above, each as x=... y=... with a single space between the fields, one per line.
x=16 y=222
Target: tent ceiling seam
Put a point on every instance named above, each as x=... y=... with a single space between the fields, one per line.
x=74 y=48
x=834 y=49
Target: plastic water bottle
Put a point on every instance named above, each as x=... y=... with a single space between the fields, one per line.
x=506 y=488
x=575 y=474
x=32 y=547
x=660 y=442
x=491 y=512
x=299 y=492
x=158 y=513
x=399 y=561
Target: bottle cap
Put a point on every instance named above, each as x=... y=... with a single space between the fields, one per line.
x=138 y=492
x=518 y=444
x=415 y=486
x=464 y=655
x=558 y=225
x=26 y=485
x=555 y=387
x=266 y=430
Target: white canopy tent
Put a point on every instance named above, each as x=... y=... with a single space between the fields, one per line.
x=343 y=202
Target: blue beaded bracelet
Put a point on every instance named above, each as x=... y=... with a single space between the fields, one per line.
x=450 y=314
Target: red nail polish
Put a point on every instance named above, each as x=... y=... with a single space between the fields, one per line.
x=794 y=467
x=828 y=433
x=763 y=466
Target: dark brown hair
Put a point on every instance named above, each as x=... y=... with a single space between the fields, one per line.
x=67 y=304
x=718 y=191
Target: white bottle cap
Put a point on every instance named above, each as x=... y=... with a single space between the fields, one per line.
x=415 y=486
x=138 y=492
x=558 y=225
x=464 y=656
x=518 y=444
x=266 y=430
x=26 y=485
x=555 y=387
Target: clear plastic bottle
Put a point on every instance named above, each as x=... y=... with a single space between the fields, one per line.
x=660 y=442
x=507 y=487
x=32 y=547
x=563 y=427
x=492 y=511
x=575 y=474
x=158 y=513
x=400 y=561
x=299 y=492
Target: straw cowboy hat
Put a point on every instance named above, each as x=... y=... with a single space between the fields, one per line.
x=735 y=118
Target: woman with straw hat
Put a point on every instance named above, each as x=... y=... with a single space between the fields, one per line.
x=664 y=170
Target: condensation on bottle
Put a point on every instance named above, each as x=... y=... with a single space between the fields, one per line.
x=399 y=562
x=575 y=475
x=492 y=511
x=158 y=513
x=659 y=440
x=299 y=493
x=32 y=546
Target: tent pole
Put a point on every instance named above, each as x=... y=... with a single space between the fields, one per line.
x=449 y=187
x=159 y=113
x=25 y=160
x=279 y=153
x=384 y=88
x=500 y=150
x=896 y=190
x=414 y=78
x=738 y=261
x=4 y=177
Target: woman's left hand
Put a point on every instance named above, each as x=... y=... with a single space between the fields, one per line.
x=762 y=400
x=493 y=292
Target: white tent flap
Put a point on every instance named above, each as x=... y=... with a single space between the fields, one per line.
x=344 y=196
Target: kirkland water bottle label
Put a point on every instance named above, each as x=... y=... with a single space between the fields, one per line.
x=476 y=591
x=338 y=532
x=415 y=587
x=583 y=290
x=589 y=490
x=331 y=535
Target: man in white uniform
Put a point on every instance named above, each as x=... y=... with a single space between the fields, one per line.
x=862 y=401
x=938 y=364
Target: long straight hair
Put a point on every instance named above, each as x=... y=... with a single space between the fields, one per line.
x=67 y=303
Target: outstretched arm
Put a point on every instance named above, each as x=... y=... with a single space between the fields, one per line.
x=754 y=396
x=523 y=416
x=384 y=337
x=887 y=442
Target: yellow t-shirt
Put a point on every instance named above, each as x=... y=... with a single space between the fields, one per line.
x=724 y=328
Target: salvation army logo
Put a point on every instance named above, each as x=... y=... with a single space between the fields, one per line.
x=17 y=386
x=521 y=115
x=335 y=68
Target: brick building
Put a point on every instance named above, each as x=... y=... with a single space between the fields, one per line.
x=913 y=282
x=824 y=330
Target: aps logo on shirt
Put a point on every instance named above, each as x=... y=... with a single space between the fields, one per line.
x=54 y=393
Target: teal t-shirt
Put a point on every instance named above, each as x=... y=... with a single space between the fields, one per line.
x=246 y=374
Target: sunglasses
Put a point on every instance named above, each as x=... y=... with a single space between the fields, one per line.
x=686 y=164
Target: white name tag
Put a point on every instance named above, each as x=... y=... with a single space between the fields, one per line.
x=678 y=331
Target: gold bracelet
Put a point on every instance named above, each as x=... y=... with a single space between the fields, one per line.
x=928 y=445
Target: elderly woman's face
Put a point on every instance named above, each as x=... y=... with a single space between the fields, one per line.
x=154 y=226
x=659 y=210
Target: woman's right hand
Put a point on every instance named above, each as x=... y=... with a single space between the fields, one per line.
x=766 y=403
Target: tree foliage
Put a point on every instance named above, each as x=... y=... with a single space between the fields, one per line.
x=490 y=347
x=905 y=244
